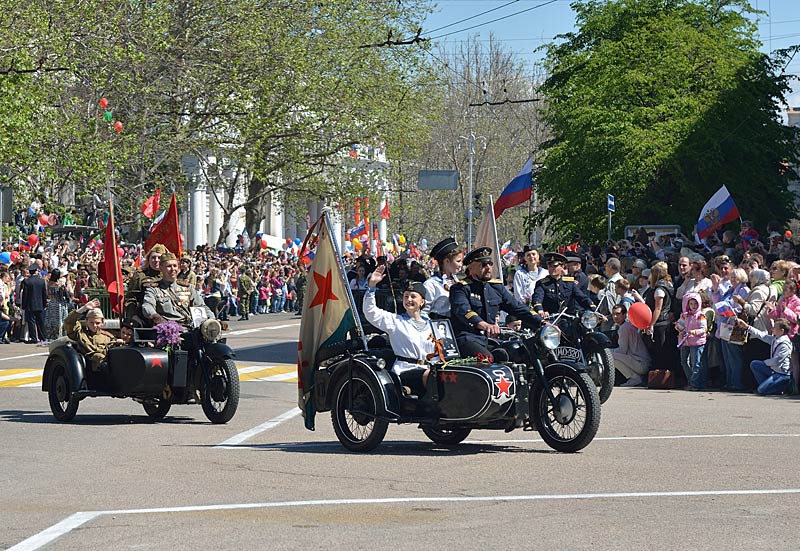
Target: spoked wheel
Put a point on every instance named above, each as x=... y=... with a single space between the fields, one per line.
x=572 y=421
x=603 y=361
x=219 y=393
x=353 y=414
x=156 y=408
x=63 y=403
x=446 y=437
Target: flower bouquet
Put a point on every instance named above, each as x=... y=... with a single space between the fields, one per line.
x=168 y=334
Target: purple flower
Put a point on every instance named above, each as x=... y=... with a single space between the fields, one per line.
x=168 y=333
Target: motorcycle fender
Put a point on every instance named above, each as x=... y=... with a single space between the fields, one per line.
x=389 y=406
x=596 y=339
x=574 y=366
x=219 y=351
x=75 y=365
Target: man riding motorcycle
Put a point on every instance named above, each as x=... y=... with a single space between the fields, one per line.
x=170 y=300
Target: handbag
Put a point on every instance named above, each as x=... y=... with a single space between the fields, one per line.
x=661 y=379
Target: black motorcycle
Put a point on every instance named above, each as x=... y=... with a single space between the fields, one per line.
x=519 y=391
x=580 y=342
x=154 y=377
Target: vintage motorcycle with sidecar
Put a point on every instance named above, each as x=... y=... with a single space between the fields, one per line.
x=580 y=342
x=155 y=377
x=516 y=390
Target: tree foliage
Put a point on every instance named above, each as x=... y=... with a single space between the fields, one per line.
x=660 y=103
x=277 y=88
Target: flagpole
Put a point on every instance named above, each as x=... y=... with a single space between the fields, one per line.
x=498 y=258
x=326 y=213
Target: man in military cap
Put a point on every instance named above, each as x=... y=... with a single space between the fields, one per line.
x=552 y=293
x=143 y=278
x=169 y=300
x=449 y=257
x=576 y=274
x=92 y=341
x=476 y=301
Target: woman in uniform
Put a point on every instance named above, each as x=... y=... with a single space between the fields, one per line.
x=410 y=334
x=450 y=258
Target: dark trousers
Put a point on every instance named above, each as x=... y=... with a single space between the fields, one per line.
x=4 y=325
x=35 y=321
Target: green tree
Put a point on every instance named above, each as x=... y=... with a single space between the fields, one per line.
x=660 y=103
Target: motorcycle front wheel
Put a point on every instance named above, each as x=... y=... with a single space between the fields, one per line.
x=571 y=422
x=219 y=392
x=354 y=414
x=604 y=364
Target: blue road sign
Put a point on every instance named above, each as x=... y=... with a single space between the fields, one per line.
x=611 y=207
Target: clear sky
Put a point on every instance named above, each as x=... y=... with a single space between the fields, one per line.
x=524 y=25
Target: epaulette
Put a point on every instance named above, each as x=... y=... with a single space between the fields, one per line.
x=500 y=281
x=568 y=279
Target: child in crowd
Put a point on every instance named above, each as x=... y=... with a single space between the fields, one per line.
x=623 y=289
x=773 y=375
x=513 y=323
x=692 y=330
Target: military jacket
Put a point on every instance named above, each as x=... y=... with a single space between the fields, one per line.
x=551 y=295
x=189 y=278
x=172 y=302
x=246 y=285
x=134 y=293
x=86 y=342
x=473 y=301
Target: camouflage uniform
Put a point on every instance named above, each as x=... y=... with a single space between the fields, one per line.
x=246 y=288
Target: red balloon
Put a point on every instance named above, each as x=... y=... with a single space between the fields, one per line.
x=288 y=241
x=788 y=234
x=640 y=315
x=120 y=252
x=14 y=256
x=264 y=242
x=43 y=220
x=33 y=240
x=118 y=126
x=103 y=103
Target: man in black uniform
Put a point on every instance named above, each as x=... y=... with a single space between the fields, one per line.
x=552 y=293
x=475 y=302
x=575 y=272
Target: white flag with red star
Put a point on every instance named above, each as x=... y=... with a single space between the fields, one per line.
x=327 y=316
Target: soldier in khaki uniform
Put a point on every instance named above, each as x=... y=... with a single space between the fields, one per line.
x=142 y=279
x=169 y=299
x=246 y=289
x=92 y=341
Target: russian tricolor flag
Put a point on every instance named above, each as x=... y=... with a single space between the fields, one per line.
x=719 y=210
x=517 y=191
x=360 y=229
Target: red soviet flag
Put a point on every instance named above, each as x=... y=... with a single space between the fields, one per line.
x=385 y=210
x=166 y=232
x=150 y=207
x=112 y=266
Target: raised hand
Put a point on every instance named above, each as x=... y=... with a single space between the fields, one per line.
x=377 y=276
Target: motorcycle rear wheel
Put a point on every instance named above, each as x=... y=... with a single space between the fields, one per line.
x=573 y=423
x=353 y=414
x=219 y=394
x=156 y=409
x=446 y=437
x=605 y=361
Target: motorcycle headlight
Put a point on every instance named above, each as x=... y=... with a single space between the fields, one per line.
x=590 y=319
x=550 y=336
x=210 y=330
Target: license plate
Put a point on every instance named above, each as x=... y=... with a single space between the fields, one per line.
x=568 y=353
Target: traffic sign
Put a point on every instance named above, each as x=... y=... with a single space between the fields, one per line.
x=611 y=207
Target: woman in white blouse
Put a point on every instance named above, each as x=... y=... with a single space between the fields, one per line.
x=410 y=334
x=527 y=274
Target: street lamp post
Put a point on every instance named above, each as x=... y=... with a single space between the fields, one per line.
x=471 y=143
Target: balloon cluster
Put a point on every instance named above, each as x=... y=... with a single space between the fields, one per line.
x=108 y=116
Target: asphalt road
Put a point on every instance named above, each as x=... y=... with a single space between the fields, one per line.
x=668 y=470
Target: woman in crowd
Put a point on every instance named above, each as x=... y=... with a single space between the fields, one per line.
x=659 y=296
x=697 y=280
x=754 y=307
x=527 y=274
x=361 y=281
x=733 y=349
